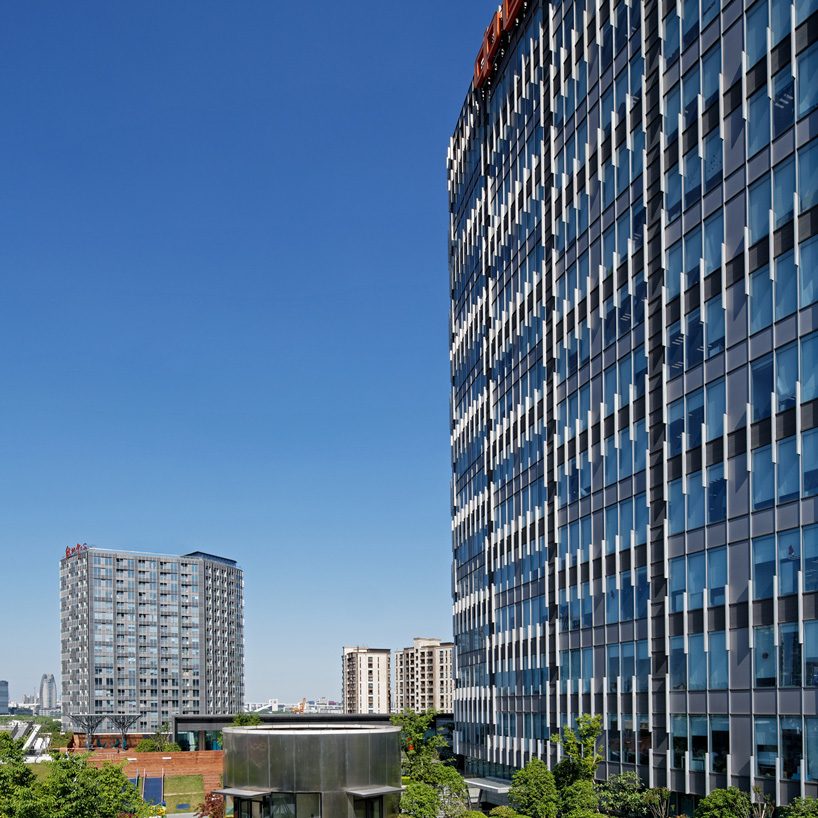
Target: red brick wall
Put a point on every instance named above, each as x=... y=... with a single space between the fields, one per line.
x=207 y=763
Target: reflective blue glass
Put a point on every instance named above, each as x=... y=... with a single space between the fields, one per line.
x=673 y=274
x=715 y=326
x=763 y=482
x=676 y=426
x=808 y=174
x=756 y=32
x=803 y=9
x=786 y=376
x=713 y=238
x=713 y=148
x=697 y=662
x=717 y=664
x=788 y=470
x=678 y=663
x=789 y=561
x=676 y=507
x=715 y=409
x=763 y=567
x=717 y=575
x=761 y=384
x=764 y=656
x=671 y=26
x=694 y=340
x=695 y=418
x=675 y=351
x=758 y=125
x=786 y=286
x=807 y=87
x=783 y=191
x=716 y=494
x=758 y=205
x=761 y=299
x=808 y=271
x=783 y=102
x=695 y=500
x=780 y=19
x=809 y=457
x=673 y=193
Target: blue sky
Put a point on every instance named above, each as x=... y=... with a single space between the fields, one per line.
x=223 y=311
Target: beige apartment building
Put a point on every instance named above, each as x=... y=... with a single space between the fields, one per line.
x=424 y=677
x=366 y=682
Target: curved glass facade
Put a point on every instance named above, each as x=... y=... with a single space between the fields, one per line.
x=634 y=347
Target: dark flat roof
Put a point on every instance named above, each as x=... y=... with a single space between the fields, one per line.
x=205 y=556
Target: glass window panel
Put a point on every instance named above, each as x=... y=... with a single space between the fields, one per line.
x=715 y=409
x=719 y=743
x=789 y=561
x=717 y=661
x=789 y=655
x=697 y=662
x=763 y=567
x=678 y=663
x=764 y=650
x=675 y=349
x=808 y=271
x=642 y=592
x=673 y=193
x=676 y=425
x=788 y=471
x=715 y=326
x=791 y=748
x=786 y=376
x=761 y=299
x=758 y=203
x=695 y=580
x=612 y=671
x=676 y=507
x=783 y=101
x=783 y=191
x=611 y=601
x=695 y=501
x=672 y=40
x=803 y=9
x=694 y=340
x=692 y=257
x=711 y=68
x=786 y=286
x=678 y=579
x=698 y=743
x=678 y=732
x=761 y=381
x=807 y=87
x=713 y=238
x=756 y=32
x=809 y=367
x=808 y=175
x=810 y=548
x=780 y=19
x=673 y=277
x=717 y=575
x=758 y=124
x=695 y=418
x=716 y=494
x=713 y=150
x=812 y=748
x=809 y=457
x=766 y=731
x=692 y=177
x=811 y=653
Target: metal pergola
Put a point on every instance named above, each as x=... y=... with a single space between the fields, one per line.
x=90 y=722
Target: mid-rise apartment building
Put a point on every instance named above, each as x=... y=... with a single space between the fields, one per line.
x=423 y=676
x=148 y=633
x=366 y=680
x=633 y=254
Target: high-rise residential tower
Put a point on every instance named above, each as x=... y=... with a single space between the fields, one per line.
x=423 y=676
x=48 y=693
x=150 y=633
x=366 y=680
x=634 y=304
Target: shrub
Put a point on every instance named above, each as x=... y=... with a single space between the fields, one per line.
x=801 y=808
x=503 y=812
x=728 y=803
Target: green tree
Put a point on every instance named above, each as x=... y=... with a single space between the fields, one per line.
x=16 y=779
x=246 y=720
x=579 y=797
x=581 y=748
x=504 y=812
x=533 y=790
x=727 y=803
x=623 y=796
x=801 y=808
x=420 y=743
x=658 y=802
x=420 y=801
x=159 y=742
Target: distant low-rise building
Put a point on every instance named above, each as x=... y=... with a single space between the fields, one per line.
x=424 y=677
x=366 y=680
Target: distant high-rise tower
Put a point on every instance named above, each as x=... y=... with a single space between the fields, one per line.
x=366 y=680
x=4 y=698
x=423 y=676
x=48 y=693
x=160 y=635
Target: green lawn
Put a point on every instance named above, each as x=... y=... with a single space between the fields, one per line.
x=183 y=789
x=40 y=770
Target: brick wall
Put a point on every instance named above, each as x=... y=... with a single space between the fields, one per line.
x=207 y=763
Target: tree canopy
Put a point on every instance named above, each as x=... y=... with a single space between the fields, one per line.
x=533 y=791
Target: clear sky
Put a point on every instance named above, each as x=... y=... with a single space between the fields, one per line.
x=223 y=311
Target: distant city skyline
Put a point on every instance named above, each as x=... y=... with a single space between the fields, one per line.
x=226 y=291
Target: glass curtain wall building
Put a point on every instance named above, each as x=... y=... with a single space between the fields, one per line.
x=633 y=255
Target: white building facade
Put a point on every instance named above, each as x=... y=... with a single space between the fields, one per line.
x=153 y=634
x=366 y=675
x=424 y=678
